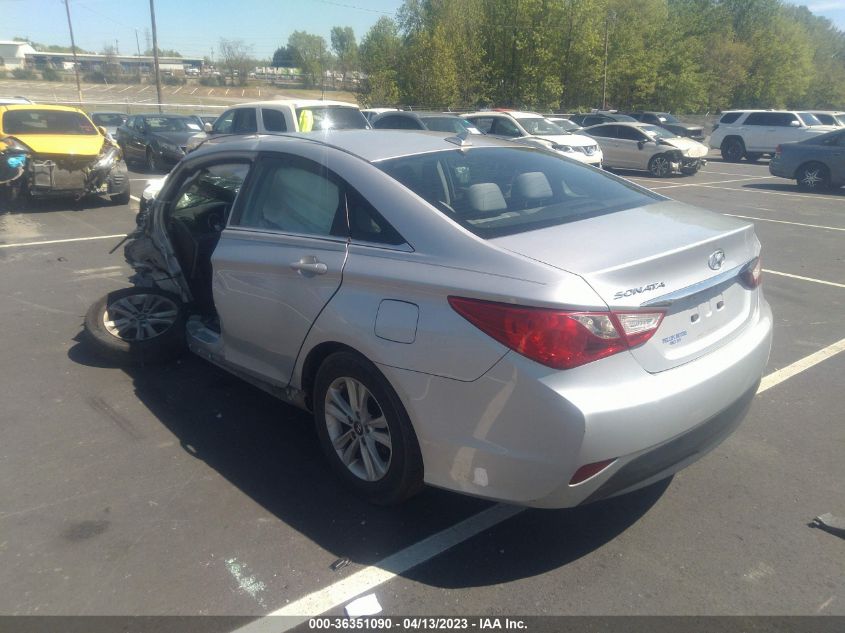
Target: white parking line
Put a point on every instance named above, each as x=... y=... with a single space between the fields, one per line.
x=71 y=239
x=815 y=281
x=777 y=377
x=704 y=184
x=812 y=226
x=367 y=579
x=818 y=198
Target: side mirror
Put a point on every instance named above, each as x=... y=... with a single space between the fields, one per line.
x=641 y=144
x=208 y=128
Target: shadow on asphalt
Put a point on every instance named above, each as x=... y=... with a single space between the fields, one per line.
x=269 y=451
x=52 y=205
x=790 y=187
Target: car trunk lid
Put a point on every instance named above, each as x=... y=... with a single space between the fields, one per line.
x=661 y=256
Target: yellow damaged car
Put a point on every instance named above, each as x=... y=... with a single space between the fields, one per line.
x=50 y=151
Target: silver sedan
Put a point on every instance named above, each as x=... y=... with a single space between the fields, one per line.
x=464 y=312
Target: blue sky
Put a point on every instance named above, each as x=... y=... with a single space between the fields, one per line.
x=195 y=27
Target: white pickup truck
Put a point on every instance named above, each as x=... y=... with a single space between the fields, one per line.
x=283 y=115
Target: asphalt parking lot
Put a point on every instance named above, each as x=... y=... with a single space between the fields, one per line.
x=182 y=490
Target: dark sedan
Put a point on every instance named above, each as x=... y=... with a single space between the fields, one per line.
x=669 y=122
x=597 y=118
x=435 y=121
x=815 y=163
x=156 y=140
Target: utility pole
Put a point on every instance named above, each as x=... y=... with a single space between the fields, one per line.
x=155 y=53
x=610 y=16
x=73 y=48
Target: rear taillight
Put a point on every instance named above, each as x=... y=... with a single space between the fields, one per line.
x=561 y=339
x=752 y=274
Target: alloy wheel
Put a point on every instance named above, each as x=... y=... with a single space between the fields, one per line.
x=812 y=177
x=140 y=317
x=660 y=166
x=358 y=429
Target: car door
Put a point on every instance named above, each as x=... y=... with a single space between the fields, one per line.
x=136 y=144
x=278 y=263
x=606 y=137
x=633 y=147
x=836 y=160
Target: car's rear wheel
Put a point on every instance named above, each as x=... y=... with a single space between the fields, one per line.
x=813 y=176
x=733 y=150
x=136 y=326
x=365 y=431
x=660 y=166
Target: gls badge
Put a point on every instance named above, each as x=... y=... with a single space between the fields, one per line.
x=630 y=292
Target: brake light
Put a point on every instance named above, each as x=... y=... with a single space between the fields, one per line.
x=561 y=339
x=752 y=274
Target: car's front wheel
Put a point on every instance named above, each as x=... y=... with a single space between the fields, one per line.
x=365 y=431
x=660 y=166
x=813 y=176
x=136 y=326
x=151 y=162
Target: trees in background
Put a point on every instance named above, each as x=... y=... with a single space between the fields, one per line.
x=236 y=60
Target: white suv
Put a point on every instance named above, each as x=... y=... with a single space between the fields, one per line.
x=751 y=133
x=531 y=128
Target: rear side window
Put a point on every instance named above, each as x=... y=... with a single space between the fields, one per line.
x=366 y=224
x=274 y=121
x=501 y=191
x=604 y=131
x=729 y=117
x=505 y=127
x=482 y=123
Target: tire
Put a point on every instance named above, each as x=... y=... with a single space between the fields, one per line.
x=385 y=470
x=660 y=166
x=733 y=149
x=120 y=198
x=813 y=177
x=753 y=157
x=151 y=162
x=160 y=342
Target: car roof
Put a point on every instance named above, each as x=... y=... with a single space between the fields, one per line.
x=370 y=145
x=297 y=103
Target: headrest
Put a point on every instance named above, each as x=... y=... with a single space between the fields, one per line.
x=486 y=196
x=533 y=185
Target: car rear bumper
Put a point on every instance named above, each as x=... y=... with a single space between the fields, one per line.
x=520 y=432
x=778 y=168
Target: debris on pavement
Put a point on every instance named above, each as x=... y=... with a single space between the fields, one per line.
x=830 y=523
x=340 y=563
x=366 y=605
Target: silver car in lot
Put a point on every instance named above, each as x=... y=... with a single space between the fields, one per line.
x=816 y=163
x=480 y=316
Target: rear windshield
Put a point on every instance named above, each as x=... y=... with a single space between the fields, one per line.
x=495 y=191
x=448 y=124
x=46 y=122
x=172 y=124
x=330 y=118
x=108 y=118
